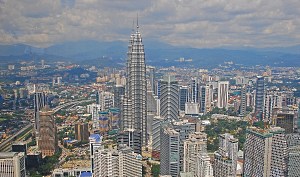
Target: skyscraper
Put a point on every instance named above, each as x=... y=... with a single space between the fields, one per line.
x=259 y=97
x=119 y=91
x=134 y=112
x=183 y=97
x=82 y=132
x=169 y=100
x=195 y=145
x=106 y=100
x=95 y=144
x=12 y=164
x=40 y=101
x=243 y=105
x=47 y=140
x=206 y=97
x=169 y=151
x=194 y=91
x=226 y=157
x=122 y=162
x=152 y=77
x=265 y=152
x=223 y=87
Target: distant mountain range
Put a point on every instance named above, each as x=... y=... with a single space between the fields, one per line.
x=157 y=53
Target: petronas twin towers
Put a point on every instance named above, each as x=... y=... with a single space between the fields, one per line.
x=134 y=113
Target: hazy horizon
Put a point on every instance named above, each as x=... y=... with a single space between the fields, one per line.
x=188 y=23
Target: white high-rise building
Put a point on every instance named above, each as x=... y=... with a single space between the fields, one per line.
x=94 y=109
x=243 y=104
x=223 y=88
x=225 y=163
x=95 y=144
x=12 y=164
x=195 y=145
x=134 y=113
x=106 y=100
x=117 y=163
x=204 y=166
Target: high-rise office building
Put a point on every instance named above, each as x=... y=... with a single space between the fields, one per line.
x=169 y=151
x=184 y=128
x=206 y=98
x=106 y=100
x=152 y=77
x=122 y=162
x=119 y=91
x=225 y=163
x=268 y=107
x=202 y=99
x=195 y=145
x=223 y=88
x=259 y=97
x=94 y=109
x=183 y=97
x=243 y=104
x=204 y=166
x=265 y=152
x=156 y=126
x=134 y=113
x=40 y=101
x=286 y=120
x=82 y=132
x=47 y=140
x=12 y=164
x=157 y=89
x=194 y=92
x=95 y=144
x=293 y=162
x=169 y=99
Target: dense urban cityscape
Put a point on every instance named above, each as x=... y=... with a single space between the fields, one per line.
x=63 y=119
x=168 y=111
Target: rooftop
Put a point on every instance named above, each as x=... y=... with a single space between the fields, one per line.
x=4 y=155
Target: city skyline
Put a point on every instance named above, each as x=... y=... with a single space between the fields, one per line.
x=204 y=24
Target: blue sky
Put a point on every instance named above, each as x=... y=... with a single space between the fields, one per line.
x=196 y=23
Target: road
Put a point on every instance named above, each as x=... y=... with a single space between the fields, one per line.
x=7 y=142
x=4 y=145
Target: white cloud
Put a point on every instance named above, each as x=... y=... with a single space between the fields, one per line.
x=197 y=23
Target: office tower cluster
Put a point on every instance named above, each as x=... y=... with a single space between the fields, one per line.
x=104 y=120
x=118 y=161
x=270 y=101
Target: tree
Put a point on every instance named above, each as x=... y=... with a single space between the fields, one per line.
x=155 y=170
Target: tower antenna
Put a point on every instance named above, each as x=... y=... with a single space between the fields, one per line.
x=137 y=21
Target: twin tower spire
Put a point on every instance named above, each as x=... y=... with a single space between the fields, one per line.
x=134 y=108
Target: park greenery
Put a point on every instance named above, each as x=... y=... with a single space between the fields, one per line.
x=236 y=128
x=155 y=169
